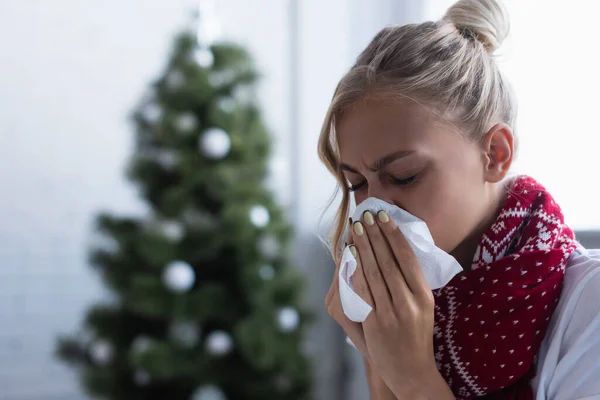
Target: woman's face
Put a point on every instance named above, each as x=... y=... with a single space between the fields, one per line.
x=398 y=152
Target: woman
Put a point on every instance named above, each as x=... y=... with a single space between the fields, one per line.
x=424 y=120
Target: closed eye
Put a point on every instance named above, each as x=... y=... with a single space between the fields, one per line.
x=405 y=181
x=401 y=182
x=354 y=188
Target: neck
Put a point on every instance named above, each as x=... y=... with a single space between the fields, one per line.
x=465 y=251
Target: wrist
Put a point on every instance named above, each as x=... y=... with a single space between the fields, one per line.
x=378 y=389
x=434 y=388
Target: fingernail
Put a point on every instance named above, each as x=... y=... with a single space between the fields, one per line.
x=383 y=217
x=358 y=228
x=353 y=250
x=350 y=223
x=368 y=217
x=345 y=244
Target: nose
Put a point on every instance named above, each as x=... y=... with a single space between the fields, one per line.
x=377 y=190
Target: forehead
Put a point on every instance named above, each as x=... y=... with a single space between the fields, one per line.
x=374 y=127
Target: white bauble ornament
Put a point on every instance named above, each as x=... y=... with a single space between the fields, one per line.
x=142 y=378
x=259 y=216
x=288 y=319
x=219 y=343
x=179 y=276
x=152 y=113
x=204 y=57
x=141 y=344
x=208 y=392
x=101 y=352
x=244 y=94
x=269 y=246
x=172 y=230
x=267 y=272
x=175 y=80
x=166 y=158
x=186 y=122
x=186 y=333
x=215 y=143
x=226 y=104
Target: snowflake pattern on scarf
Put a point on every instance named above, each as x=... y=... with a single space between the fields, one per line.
x=490 y=321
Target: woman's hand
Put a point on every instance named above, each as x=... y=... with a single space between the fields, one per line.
x=354 y=330
x=398 y=333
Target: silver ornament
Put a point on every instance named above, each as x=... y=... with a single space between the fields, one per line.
x=214 y=143
x=204 y=57
x=186 y=122
x=226 y=104
x=267 y=272
x=142 y=378
x=259 y=216
x=186 y=333
x=101 y=352
x=218 y=343
x=268 y=246
x=141 y=344
x=288 y=319
x=208 y=392
x=152 y=113
x=166 y=158
x=179 y=276
x=244 y=94
x=175 y=80
x=172 y=230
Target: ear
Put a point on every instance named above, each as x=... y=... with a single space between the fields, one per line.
x=498 y=150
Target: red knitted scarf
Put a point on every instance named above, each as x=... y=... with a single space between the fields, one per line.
x=490 y=321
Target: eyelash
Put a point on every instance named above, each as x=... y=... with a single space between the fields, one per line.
x=401 y=182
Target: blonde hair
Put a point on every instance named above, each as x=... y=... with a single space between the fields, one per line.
x=447 y=65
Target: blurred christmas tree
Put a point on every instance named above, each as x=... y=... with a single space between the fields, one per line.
x=206 y=306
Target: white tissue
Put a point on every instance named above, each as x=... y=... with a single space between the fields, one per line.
x=438 y=266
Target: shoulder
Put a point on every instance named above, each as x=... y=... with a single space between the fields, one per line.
x=567 y=366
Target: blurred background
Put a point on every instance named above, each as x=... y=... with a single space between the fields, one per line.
x=74 y=89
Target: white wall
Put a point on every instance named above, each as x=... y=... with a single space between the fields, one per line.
x=549 y=59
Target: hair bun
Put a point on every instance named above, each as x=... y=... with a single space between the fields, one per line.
x=486 y=20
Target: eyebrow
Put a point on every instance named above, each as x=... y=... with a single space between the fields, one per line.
x=382 y=162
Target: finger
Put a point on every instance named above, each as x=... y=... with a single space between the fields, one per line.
x=409 y=265
x=386 y=260
x=374 y=279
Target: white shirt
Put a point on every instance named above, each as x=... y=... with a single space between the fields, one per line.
x=568 y=363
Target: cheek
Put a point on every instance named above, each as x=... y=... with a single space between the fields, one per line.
x=449 y=207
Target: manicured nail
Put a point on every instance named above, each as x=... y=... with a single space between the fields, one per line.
x=358 y=228
x=368 y=217
x=350 y=223
x=345 y=244
x=353 y=250
x=383 y=217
